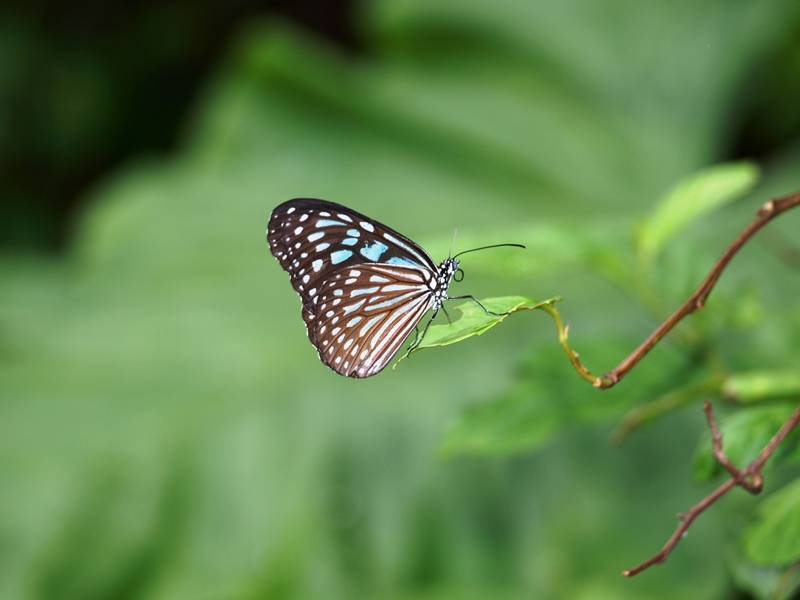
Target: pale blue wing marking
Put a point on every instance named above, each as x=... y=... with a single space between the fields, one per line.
x=328 y=223
x=340 y=256
x=374 y=251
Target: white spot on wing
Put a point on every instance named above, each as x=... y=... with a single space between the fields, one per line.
x=351 y=307
x=362 y=291
x=368 y=325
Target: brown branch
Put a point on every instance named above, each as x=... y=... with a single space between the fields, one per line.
x=770 y=210
x=752 y=484
x=686 y=520
x=750 y=478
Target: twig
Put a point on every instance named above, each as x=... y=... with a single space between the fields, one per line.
x=563 y=340
x=770 y=210
x=750 y=478
x=753 y=484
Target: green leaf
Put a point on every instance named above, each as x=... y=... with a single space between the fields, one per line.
x=744 y=435
x=692 y=198
x=476 y=321
x=775 y=535
x=757 y=386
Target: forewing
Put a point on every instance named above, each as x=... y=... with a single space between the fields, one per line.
x=366 y=312
x=314 y=238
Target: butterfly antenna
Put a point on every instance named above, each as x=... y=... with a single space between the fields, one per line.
x=453 y=243
x=492 y=246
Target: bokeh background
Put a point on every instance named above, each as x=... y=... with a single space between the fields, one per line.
x=166 y=430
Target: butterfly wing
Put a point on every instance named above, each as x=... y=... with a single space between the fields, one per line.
x=315 y=239
x=312 y=238
x=366 y=312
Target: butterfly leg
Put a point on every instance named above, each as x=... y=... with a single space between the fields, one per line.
x=479 y=303
x=418 y=338
x=446 y=314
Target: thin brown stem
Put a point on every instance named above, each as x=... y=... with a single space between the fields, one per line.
x=776 y=441
x=750 y=478
x=696 y=301
x=716 y=441
x=686 y=520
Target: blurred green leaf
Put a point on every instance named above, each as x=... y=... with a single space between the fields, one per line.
x=678 y=397
x=601 y=247
x=521 y=420
x=549 y=396
x=744 y=434
x=774 y=537
x=765 y=582
x=759 y=386
x=691 y=199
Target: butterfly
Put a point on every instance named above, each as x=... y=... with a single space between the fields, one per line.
x=364 y=286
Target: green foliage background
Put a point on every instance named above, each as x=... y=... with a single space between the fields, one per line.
x=167 y=432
